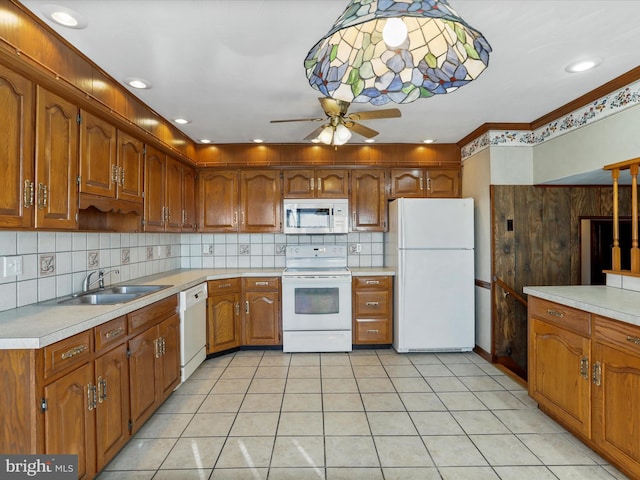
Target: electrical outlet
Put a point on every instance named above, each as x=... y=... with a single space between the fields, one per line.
x=11 y=266
x=358 y=247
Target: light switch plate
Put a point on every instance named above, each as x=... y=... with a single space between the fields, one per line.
x=11 y=266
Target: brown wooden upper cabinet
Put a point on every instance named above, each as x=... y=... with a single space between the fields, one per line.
x=16 y=125
x=163 y=195
x=316 y=183
x=189 y=221
x=368 y=201
x=420 y=182
x=217 y=201
x=173 y=196
x=56 y=191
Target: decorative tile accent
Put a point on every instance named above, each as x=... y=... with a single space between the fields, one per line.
x=353 y=248
x=167 y=251
x=93 y=259
x=47 y=265
x=125 y=256
x=606 y=106
x=149 y=253
x=281 y=249
x=207 y=249
x=244 y=249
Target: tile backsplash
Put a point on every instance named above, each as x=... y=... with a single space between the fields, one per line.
x=54 y=264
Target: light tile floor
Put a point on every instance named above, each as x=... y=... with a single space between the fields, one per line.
x=368 y=414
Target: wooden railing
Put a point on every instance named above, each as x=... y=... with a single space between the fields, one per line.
x=616 y=168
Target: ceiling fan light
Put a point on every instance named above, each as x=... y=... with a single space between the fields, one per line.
x=326 y=135
x=341 y=135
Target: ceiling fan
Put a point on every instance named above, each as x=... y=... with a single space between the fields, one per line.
x=337 y=123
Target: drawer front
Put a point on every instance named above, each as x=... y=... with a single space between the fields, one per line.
x=148 y=316
x=222 y=286
x=377 y=283
x=569 y=318
x=622 y=334
x=68 y=353
x=372 y=304
x=110 y=333
x=368 y=330
x=261 y=283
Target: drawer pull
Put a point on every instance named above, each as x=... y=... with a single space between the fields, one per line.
x=373 y=331
x=634 y=340
x=73 y=352
x=372 y=304
x=262 y=284
x=373 y=282
x=555 y=313
x=114 y=333
x=225 y=285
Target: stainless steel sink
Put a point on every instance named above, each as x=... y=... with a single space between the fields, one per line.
x=112 y=295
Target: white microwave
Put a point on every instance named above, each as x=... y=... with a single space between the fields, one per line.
x=314 y=215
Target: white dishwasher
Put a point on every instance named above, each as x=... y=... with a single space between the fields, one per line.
x=193 y=329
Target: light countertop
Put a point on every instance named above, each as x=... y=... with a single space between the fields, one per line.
x=616 y=303
x=41 y=324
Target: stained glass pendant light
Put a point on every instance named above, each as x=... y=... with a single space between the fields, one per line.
x=382 y=51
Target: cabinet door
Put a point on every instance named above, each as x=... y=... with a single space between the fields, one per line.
x=112 y=412
x=131 y=166
x=218 y=196
x=559 y=374
x=56 y=191
x=142 y=376
x=262 y=318
x=298 y=183
x=98 y=159
x=154 y=202
x=407 y=183
x=16 y=120
x=332 y=183
x=223 y=322
x=188 y=199
x=368 y=212
x=261 y=201
x=443 y=183
x=69 y=421
x=173 y=196
x=169 y=361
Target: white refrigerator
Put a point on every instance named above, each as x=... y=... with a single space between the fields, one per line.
x=430 y=245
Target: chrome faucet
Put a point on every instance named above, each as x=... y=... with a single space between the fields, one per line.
x=87 y=283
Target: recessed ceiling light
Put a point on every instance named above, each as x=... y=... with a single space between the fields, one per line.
x=370 y=140
x=205 y=140
x=583 y=65
x=429 y=140
x=139 y=83
x=181 y=121
x=64 y=16
x=258 y=140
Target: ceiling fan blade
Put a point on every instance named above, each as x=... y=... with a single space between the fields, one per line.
x=373 y=114
x=298 y=120
x=361 y=129
x=333 y=107
x=315 y=133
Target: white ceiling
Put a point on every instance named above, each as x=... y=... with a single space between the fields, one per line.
x=230 y=66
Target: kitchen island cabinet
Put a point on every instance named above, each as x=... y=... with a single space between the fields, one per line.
x=584 y=368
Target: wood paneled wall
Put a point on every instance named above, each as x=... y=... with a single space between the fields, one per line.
x=542 y=249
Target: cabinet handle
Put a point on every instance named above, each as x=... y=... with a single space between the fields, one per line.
x=168 y=214
x=242 y=217
x=28 y=194
x=353 y=215
x=114 y=333
x=421 y=183
x=372 y=304
x=235 y=218
x=246 y=307
x=634 y=340
x=115 y=177
x=164 y=346
x=156 y=347
x=597 y=374
x=121 y=171
x=92 y=399
x=428 y=184
x=224 y=285
x=102 y=389
x=555 y=313
x=184 y=216
x=73 y=352
x=237 y=308
x=584 y=368
x=262 y=284
x=311 y=182
x=42 y=196
x=373 y=331
x=319 y=184
x=373 y=282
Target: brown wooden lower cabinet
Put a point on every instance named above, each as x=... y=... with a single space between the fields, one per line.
x=372 y=310
x=584 y=371
x=224 y=328
x=88 y=393
x=262 y=313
